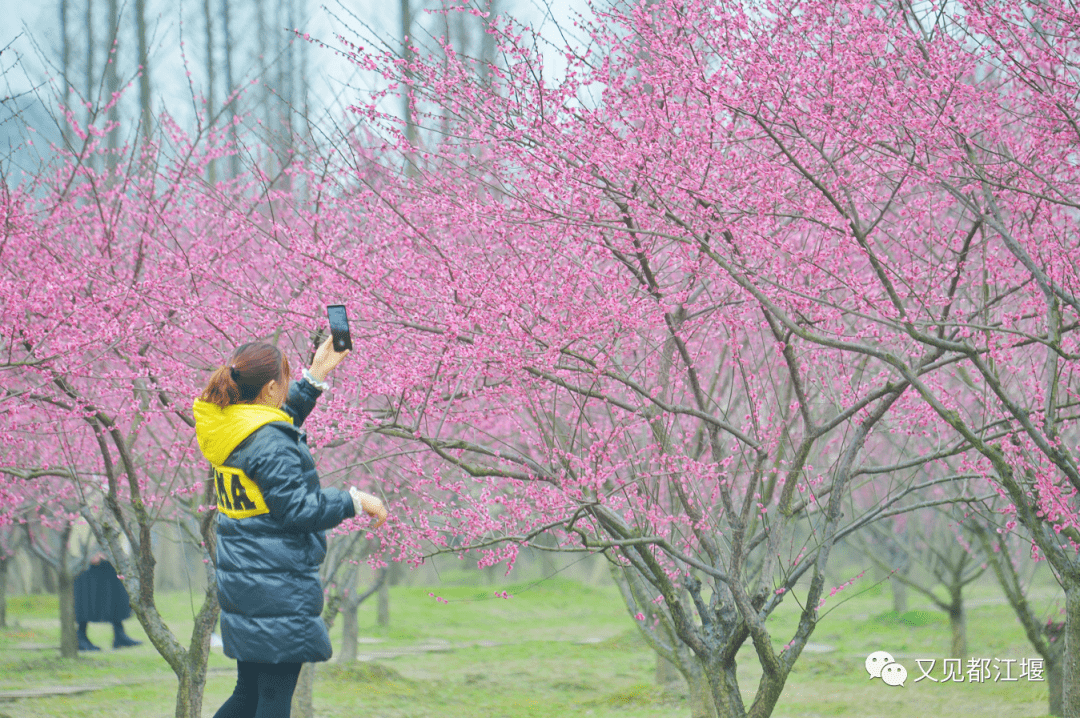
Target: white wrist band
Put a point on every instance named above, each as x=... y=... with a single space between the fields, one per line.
x=320 y=385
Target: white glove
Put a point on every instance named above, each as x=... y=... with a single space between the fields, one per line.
x=368 y=504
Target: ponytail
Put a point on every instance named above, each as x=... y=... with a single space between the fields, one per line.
x=252 y=367
x=222 y=389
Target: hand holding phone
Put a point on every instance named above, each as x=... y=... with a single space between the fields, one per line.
x=326 y=360
x=339 y=327
x=336 y=346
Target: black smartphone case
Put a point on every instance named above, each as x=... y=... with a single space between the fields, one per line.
x=339 y=327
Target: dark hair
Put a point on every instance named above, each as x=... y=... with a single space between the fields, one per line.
x=252 y=367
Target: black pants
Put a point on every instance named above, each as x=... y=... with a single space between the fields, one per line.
x=263 y=690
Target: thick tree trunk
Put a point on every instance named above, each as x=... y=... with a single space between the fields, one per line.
x=191 y=675
x=39 y=572
x=666 y=672
x=1054 y=684
x=687 y=672
x=1046 y=637
x=701 y=704
x=958 y=626
x=350 y=634
x=65 y=584
x=724 y=686
x=701 y=700
x=350 y=627
x=303 y=704
x=69 y=642
x=675 y=659
x=57 y=570
x=1070 y=694
x=382 y=610
x=899 y=595
x=184 y=706
x=188 y=664
x=48 y=577
x=189 y=694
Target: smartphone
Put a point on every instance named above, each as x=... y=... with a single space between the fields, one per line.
x=339 y=327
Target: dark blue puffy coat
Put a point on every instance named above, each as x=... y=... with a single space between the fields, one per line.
x=272 y=513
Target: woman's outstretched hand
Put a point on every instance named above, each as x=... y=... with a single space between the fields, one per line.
x=326 y=359
x=369 y=504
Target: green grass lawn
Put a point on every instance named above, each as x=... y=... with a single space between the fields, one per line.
x=560 y=648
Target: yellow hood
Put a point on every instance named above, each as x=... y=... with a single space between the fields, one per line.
x=219 y=431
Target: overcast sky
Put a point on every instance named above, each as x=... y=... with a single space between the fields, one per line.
x=31 y=34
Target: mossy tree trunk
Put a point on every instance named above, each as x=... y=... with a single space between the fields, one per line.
x=701 y=700
x=382 y=612
x=303 y=700
x=702 y=633
x=1046 y=637
x=350 y=629
x=1070 y=694
x=957 y=624
x=59 y=563
x=687 y=671
x=350 y=635
x=133 y=521
x=899 y=595
x=69 y=641
x=1054 y=685
x=666 y=672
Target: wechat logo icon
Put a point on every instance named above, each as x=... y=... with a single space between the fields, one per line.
x=881 y=664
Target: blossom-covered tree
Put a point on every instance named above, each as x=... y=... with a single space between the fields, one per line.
x=11 y=537
x=662 y=301
x=674 y=303
x=125 y=282
x=601 y=314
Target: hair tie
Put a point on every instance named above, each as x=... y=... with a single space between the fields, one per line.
x=234 y=373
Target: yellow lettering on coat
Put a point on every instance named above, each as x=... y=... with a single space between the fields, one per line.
x=238 y=497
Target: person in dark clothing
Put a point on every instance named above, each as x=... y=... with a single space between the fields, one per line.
x=272 y=515
x=101 y=597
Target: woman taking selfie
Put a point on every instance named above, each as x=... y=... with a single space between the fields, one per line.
x=272 y=515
